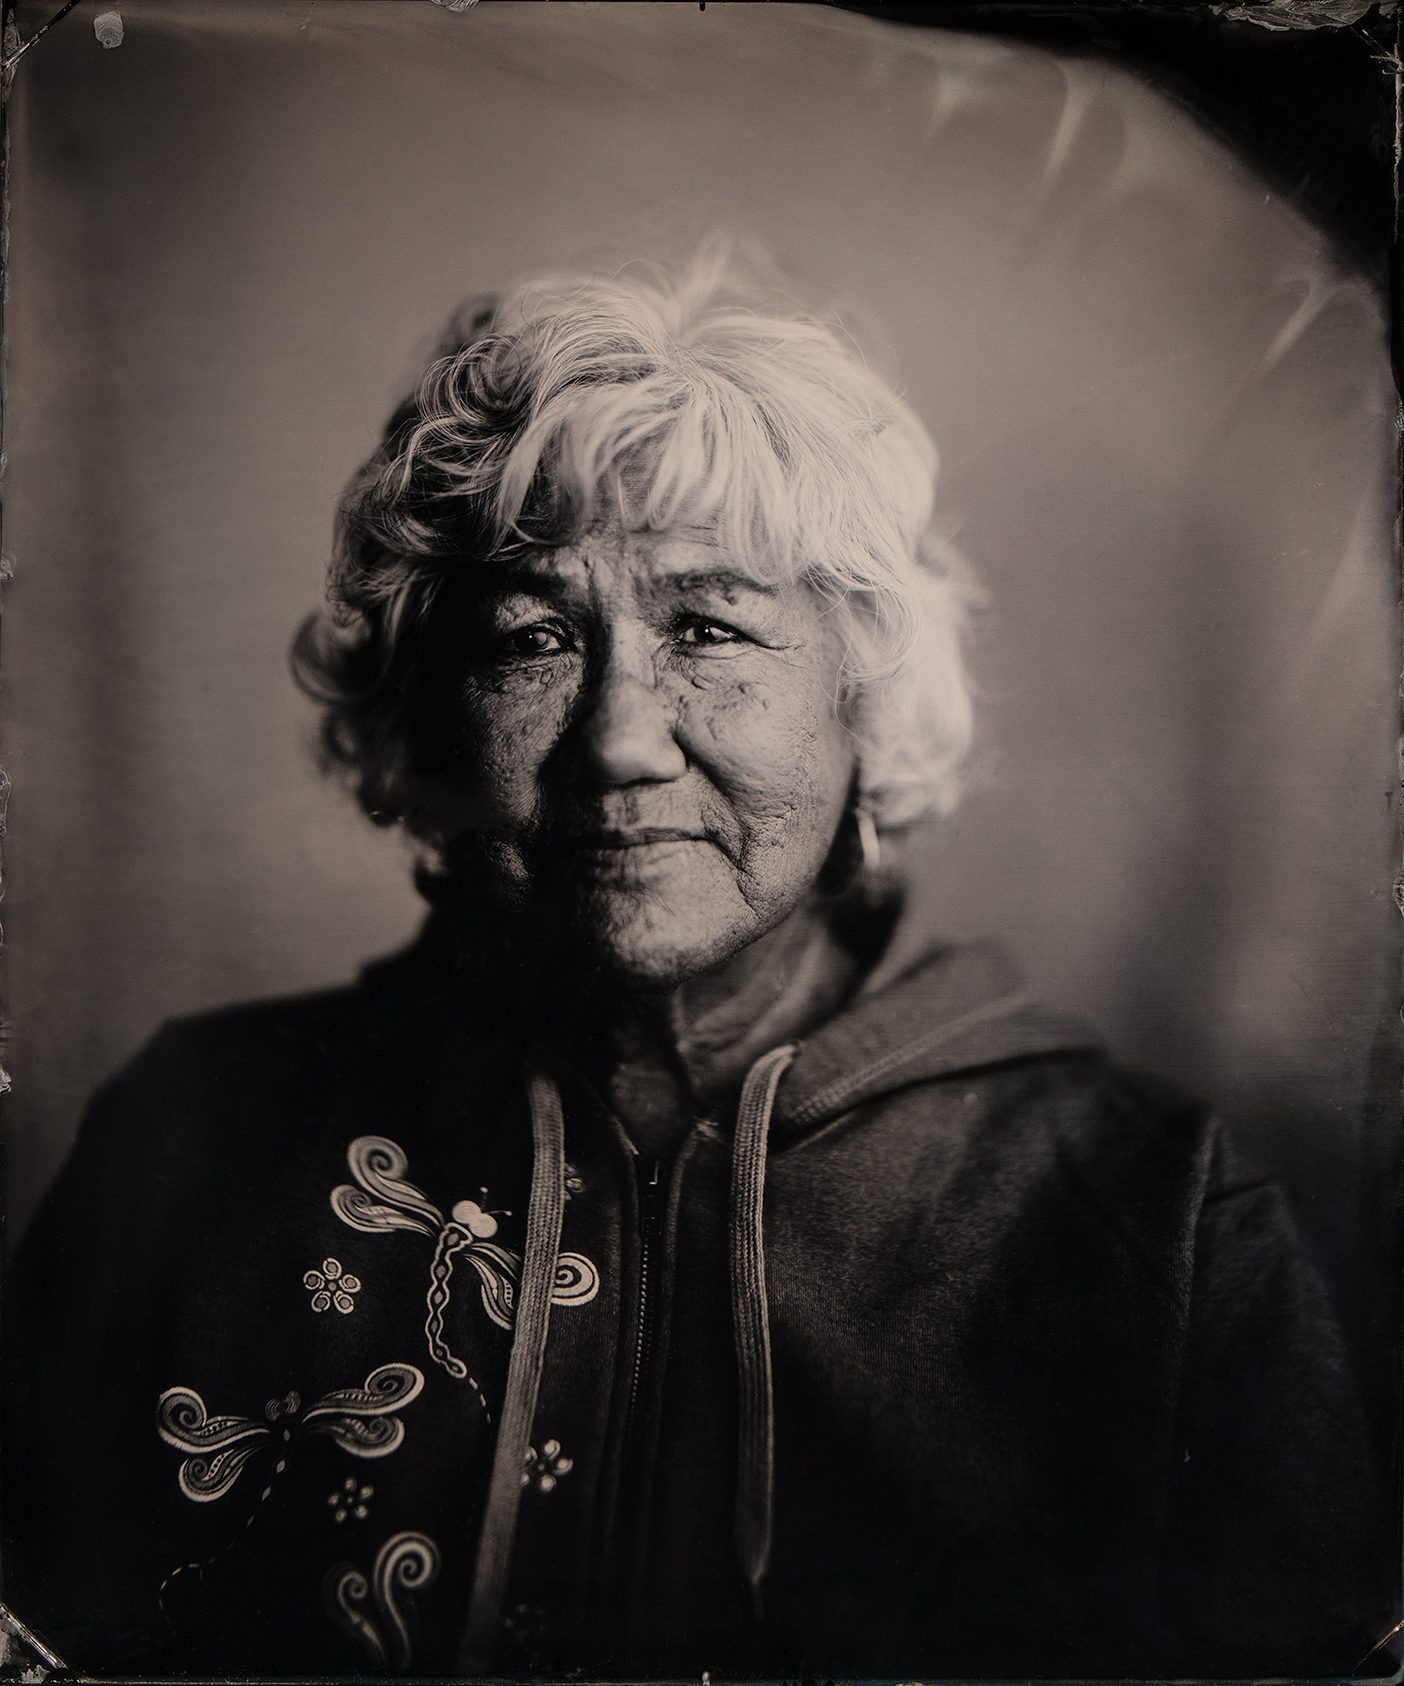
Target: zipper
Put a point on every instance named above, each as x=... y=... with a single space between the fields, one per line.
x=649 y=1182
x=649 y=1173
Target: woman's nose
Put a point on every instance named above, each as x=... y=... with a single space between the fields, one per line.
x=627 y=736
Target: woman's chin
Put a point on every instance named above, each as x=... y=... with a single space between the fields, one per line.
x=645 y=949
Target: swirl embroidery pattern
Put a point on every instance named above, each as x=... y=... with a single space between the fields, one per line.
x=361 y=1420
x=382 y=1200
x=372 y=1608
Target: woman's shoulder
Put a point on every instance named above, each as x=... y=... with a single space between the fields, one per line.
x=214 y=1101
x=956 y=1034
x=284 y=1048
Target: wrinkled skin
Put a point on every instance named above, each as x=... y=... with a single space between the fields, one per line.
x=651 y=755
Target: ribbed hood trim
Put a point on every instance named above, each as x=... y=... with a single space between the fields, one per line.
x=958 y=1009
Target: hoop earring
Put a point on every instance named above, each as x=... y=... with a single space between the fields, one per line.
x=869 y=843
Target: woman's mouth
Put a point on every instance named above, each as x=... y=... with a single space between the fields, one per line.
x=641 y=837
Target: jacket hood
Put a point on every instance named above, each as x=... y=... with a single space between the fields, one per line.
x=927 y=1011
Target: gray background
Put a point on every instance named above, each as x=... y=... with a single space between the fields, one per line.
x=1165 y=422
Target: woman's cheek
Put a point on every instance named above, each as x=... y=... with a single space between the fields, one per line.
x=509 y=730
x=774 y=743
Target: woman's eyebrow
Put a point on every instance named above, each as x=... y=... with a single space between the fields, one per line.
x=728 y=581
x=528 y=582
x=543 y=581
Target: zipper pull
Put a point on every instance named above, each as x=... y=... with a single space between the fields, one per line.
x=650 y=1198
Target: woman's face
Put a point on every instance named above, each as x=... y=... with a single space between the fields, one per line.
x=654 y=755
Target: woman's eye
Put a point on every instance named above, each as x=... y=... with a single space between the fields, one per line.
x=707 y=635
x=533 y=641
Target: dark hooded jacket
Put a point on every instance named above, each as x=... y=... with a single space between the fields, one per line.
x=956 y=1352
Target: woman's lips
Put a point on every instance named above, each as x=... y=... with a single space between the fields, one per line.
x=604 y=842
x=636 y=857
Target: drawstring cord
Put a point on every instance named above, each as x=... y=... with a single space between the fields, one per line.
x=751 y=1328
x=755 y=1454
x=533 y=1312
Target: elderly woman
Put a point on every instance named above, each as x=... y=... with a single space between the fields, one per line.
x=678 y=1260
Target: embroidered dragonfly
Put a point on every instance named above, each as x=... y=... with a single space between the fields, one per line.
x=361 y=1420
x=382 y=1200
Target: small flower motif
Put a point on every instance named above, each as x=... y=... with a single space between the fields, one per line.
x=525 y=1626
x=574 y=1182
x=545 y=1468
x=351 y=1498
x=332 y=1286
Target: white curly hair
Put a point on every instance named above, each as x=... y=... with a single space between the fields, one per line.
x=702 y=397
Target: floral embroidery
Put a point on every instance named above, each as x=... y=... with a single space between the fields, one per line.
x=351 y=1498
x=383 y=1200
x=544 y=1469
x=361 y=1420
x=374 y=1609
x=525 y=1627
x=331 y=1286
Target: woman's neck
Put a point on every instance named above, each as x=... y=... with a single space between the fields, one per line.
x=663 y=1060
